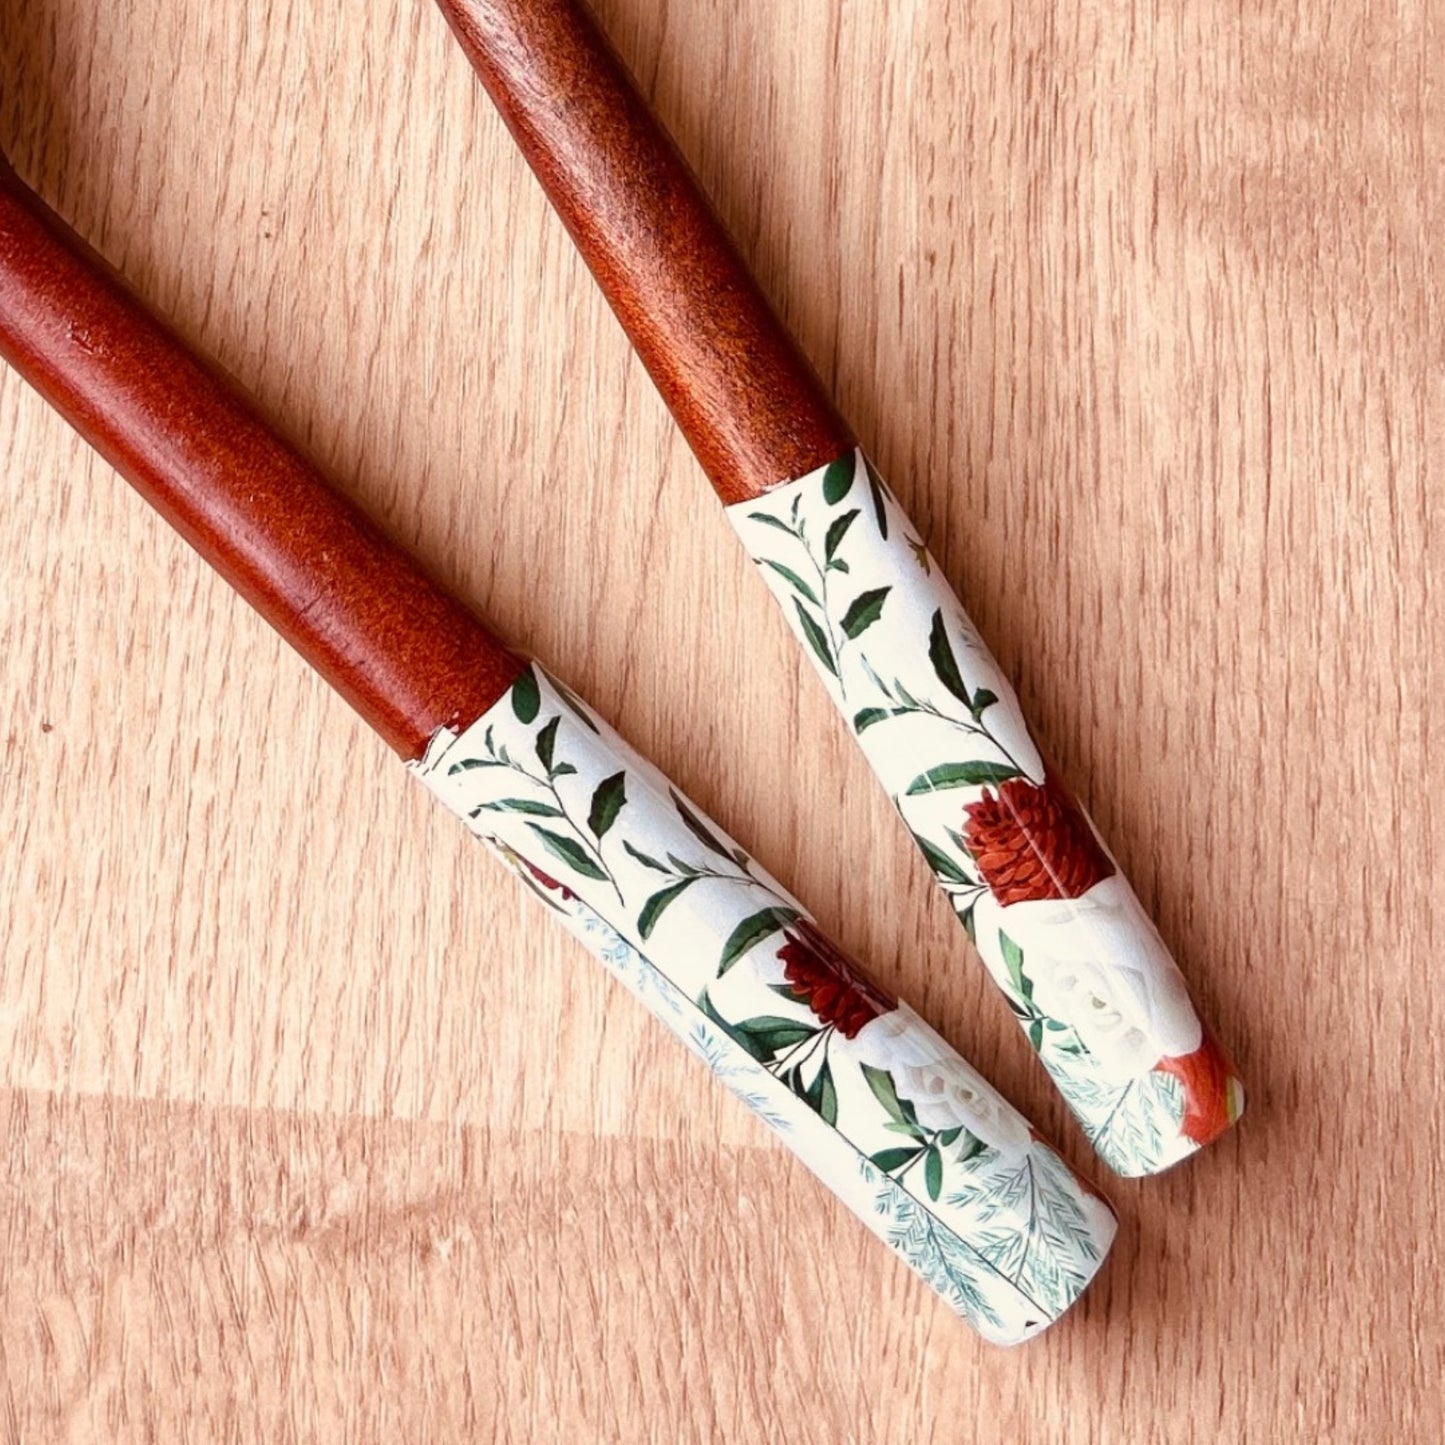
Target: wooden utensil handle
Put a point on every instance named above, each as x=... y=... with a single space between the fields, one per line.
x=409 y=656
x=710 y=943
x=872 y=1100
x=748 y=402
x=1058 y=926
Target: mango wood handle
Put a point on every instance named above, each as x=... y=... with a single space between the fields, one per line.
x=747 y=400
x=910 y=1137
x=407 y=655
x=1081 y=965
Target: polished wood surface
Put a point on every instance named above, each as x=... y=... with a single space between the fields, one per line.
x=747 y=400
x=409 y=656
x=1139 y=312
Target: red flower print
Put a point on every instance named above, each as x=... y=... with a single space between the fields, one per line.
x=548 y=882
x=829 y=982
x=1032 y=842
x=1205 y=1074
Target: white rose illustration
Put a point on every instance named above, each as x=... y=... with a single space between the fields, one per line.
x=944 y=1091
x=1098 y=964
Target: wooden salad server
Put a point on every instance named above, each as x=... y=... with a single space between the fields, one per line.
x=1059 y=928
x=910 y=1137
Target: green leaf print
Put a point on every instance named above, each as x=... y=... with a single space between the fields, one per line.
x=837 y=532
x=1013 y=957
x=775 y=1034
x=961 y=775
x=875 y=486
x=570 y=852
x=547 y=743
x=751 y=932
x=655 y=906
x=793 y=580
x=755 y=1048
x=869 y=716
x=945 y=665
x=771 y=522
x=838 y=479
x=864 y=611
x=827 y=1105
x=698 y=828
x=575 y=703
x=940 y=862
x=607 y=802
x=526 y=697
x=933 y=1172
x=646 y=859
x=816 y=639
x=880 y=1081
x=890 y=1159
x=522 y=805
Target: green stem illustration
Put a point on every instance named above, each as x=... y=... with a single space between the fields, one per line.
x=801 y=1052
x=904 y=704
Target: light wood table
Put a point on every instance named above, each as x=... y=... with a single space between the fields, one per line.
x=1140 y=311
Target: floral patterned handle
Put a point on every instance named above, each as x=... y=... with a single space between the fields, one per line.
x=1059 y=928
x=910 y=1137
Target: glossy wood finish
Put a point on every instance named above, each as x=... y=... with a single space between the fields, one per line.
x=1139 y=308
x=666 y=265
x=747 y=400
x=406 y=654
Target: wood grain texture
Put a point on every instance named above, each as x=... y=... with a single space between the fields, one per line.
x=410 y=657
x=752 y=408
x=1139 y=311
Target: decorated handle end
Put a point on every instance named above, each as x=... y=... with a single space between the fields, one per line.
x=1060 y=929
x=877 y=1105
